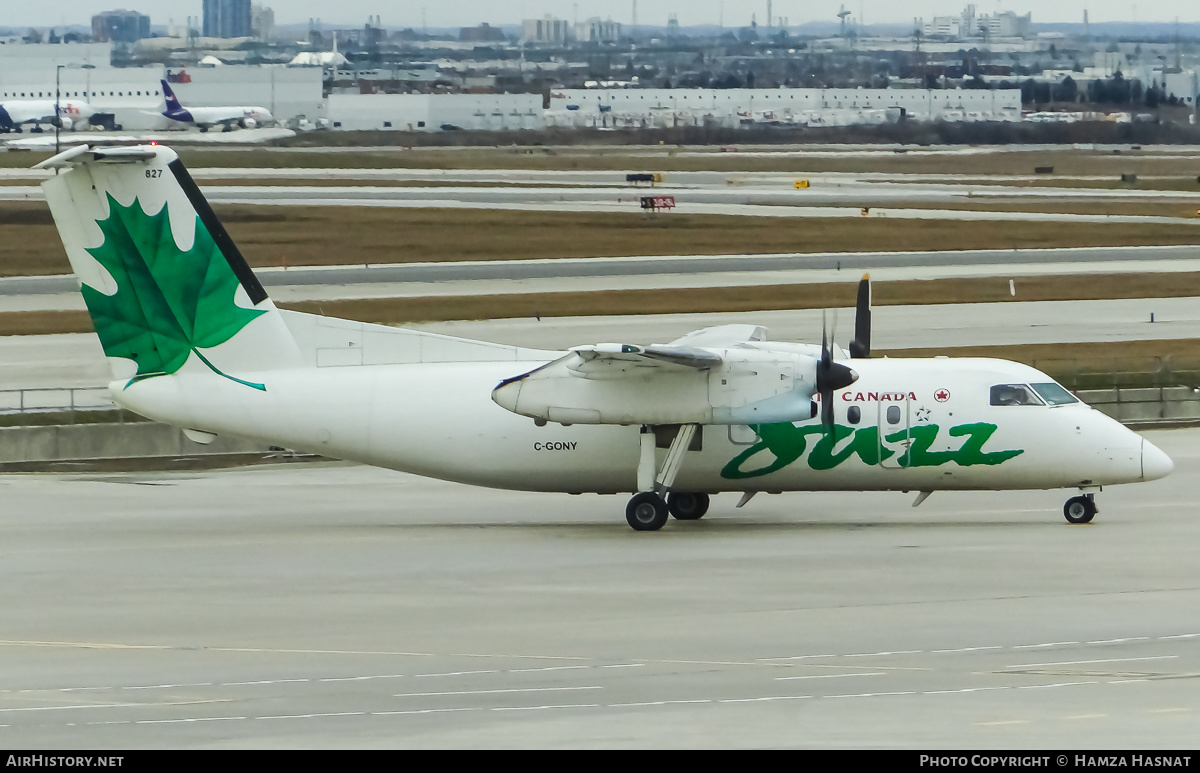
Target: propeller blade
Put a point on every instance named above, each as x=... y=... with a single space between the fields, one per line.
x=860 y=347
x=827 y=412
x=826 y=355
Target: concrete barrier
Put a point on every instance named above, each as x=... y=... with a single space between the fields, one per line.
x=114 y=440
x=1147 y=405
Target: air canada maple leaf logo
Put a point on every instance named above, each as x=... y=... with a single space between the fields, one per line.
x=169 y=303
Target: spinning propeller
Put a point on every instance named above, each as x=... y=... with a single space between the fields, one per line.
x=832 y=376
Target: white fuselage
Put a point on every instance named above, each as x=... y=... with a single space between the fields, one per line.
x=14 y=112
x=233 y=115
x=437 y=420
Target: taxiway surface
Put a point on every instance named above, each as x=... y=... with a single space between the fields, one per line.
x=338 y=606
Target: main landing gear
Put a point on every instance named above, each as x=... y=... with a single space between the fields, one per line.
x=648 y=510
x=1081 y=509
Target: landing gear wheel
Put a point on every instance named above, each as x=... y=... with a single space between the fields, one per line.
x=1081 y=509
x=646 y=512
x=686 y=506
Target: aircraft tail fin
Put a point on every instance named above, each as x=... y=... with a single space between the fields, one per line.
x=166 y=287
x=174 y=110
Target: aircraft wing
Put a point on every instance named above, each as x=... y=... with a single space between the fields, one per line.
x=614 y=360
x=722 y=336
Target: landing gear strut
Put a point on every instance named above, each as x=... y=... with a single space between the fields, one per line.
x=648 y=510
x=1081 y=509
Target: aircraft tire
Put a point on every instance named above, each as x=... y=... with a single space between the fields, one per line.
x=646 y=512
x=1080 y=509
x=687 y=506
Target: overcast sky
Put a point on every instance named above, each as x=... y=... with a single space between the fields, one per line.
x=454 y=13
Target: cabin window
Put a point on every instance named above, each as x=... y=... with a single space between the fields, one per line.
x=1054 y=393
x=893 y=414
x=854 y=414
x=1014 y=394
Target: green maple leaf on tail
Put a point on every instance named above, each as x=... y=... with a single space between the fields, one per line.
x=169 y=302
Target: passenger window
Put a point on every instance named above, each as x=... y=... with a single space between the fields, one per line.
x=854 y=414
x=1014 y=394
x=893 y=414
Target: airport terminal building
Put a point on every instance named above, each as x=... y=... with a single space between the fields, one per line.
x=665 y=108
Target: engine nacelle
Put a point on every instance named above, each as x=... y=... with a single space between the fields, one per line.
x=65 y=123
x=748 y=386
x=248 y=123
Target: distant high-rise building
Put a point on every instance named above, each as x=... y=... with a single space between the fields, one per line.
x=227 y=19
x=596 y=31
x=548 y=30
x=120 y=27
x=262 y=21
x=484 y=33
x=968 y=25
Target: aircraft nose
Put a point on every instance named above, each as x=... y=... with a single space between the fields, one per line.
x=1155 y=463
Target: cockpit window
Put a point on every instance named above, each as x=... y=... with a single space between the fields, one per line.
x=1014 y=394
x=1054 y=393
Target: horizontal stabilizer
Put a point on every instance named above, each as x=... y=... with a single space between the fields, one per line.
x=723 y=335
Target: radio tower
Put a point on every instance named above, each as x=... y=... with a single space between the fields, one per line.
x=842 y=14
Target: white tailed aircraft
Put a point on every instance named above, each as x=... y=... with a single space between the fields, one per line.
x=194 y=341
x=227 y=117
x=14 y=113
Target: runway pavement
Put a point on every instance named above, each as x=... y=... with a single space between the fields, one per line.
x=335 y=606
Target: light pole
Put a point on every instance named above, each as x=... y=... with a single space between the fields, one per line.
x=57 y=108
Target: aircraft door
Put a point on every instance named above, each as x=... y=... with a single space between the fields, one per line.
x=895 y=435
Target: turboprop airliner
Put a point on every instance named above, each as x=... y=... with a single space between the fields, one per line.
x=227 y=117
x=194 y=341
